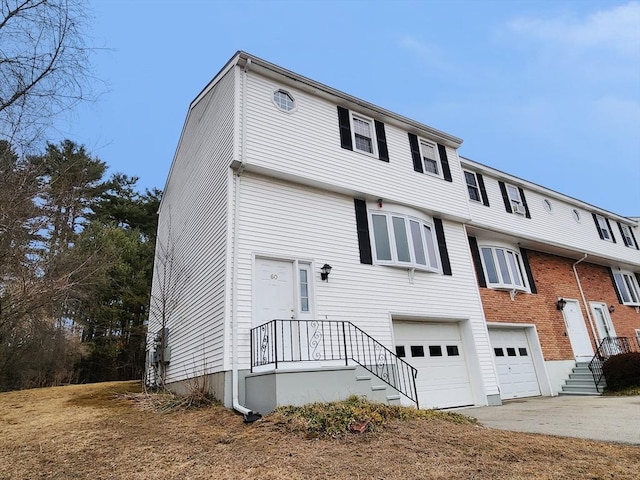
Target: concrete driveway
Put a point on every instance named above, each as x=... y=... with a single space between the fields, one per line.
x=610 y=419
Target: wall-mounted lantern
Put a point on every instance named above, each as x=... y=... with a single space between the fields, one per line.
x=612 y=309
x=325 y=271
x=561 y=303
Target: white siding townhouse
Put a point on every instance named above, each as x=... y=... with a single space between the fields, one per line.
x=312 y=245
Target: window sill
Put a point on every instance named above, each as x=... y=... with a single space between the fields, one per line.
x=408 y=267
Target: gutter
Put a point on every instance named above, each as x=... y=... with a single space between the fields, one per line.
x=249 y=416
x=584 y=299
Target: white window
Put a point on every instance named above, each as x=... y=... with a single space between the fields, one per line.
x=576 y=215
x=472 y=186
x=604 y=228
x=304 y=288
x=517 y=205
x=503 y=268
x=627 y=288
x=363 y=134
x=283 y=100
x=404 y=241
x=429 y=153
x=628 y=238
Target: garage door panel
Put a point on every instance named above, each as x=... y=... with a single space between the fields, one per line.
x=516 y=371
x=437 y=354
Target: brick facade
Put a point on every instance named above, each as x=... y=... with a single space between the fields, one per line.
x=554 y=278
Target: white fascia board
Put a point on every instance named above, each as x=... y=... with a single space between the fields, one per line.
x=507 y=177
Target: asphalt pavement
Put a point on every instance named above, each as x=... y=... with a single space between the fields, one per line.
x=610 y=419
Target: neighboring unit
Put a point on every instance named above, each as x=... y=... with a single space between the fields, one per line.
x=312 y=245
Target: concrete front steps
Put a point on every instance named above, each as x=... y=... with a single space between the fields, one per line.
x=580 y=381
x=374 y=389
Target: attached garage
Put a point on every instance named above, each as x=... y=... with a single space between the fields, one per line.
x=436 y=350
x=514 y=362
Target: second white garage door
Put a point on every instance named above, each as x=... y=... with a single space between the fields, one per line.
x=435 y=349
x=516 y=372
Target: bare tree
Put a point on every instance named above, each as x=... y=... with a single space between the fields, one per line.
x=44 y=65
x=169 y=281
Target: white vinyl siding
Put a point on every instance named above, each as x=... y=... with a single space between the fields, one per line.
x=559 y=229
x=313 y=155
x=287 y=226
x=193 y=220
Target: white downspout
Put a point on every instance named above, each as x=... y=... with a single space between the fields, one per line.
x=584 y=299
x=249 y=416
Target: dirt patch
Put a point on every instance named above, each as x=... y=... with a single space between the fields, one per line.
x=86 y=432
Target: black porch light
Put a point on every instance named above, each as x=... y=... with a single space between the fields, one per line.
x=325 y=271
x=561 y=303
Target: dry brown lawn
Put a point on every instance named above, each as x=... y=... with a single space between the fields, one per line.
x=87 y=432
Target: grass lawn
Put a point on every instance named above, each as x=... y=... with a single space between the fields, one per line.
x=88 y=432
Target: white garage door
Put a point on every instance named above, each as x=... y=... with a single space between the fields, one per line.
x=435 y=349
x=516 y=373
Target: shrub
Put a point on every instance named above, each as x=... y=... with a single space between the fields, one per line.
x=622 y=371
x=355 y=414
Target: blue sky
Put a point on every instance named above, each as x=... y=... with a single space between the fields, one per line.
x=545 y=90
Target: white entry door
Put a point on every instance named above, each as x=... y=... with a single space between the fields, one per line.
x=274 y=296
x=577 y=331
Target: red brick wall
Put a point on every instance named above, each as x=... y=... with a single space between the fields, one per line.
x=554 y=278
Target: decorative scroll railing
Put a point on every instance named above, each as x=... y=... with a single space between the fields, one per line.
x=609 y=347
x=281 y=342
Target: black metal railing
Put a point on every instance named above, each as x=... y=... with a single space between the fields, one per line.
x=609 y=347
x=287 y=341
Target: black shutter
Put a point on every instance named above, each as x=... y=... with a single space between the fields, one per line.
x=383 y=153
x=362 y=225
x=624 y=238
x=524 y=202
x=505 y=197
x=446 y=171
x=527 y=269
x=477 y=262
x=595 y=220
x=613 y=238
x=442 y=246
x=615 y=287
x=483 y=190
x=634 y=239
x=415 y=153
x=345 y=128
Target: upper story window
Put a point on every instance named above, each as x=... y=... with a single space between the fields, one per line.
x=283 y=100
x=475 y=187
x=627 y=286
x=430 y=157
x=514 y=199
x=362 y=134
x=627 y=236
x=604 y=228
x=472 y=186
x=404 y=241
x=503 y=268
x=517 y=205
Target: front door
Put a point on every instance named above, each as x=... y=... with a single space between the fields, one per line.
x=274 y=296
x=577 y=331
